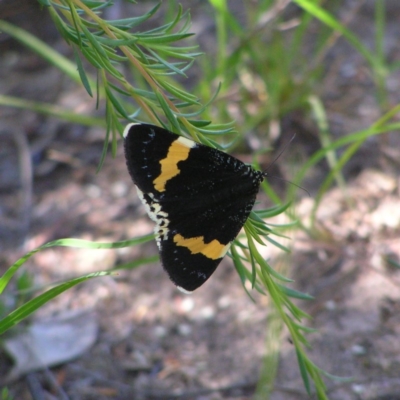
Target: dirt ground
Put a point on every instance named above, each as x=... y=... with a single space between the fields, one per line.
x=140 y=338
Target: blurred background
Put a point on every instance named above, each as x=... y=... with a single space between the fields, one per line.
x=133 y=335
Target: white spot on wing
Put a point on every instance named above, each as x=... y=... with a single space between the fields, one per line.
x=147 y=206
x=156 y=213
x=186 y=142
x=127 y=129
x=181 y=289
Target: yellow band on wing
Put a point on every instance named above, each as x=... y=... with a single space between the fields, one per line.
x=178 y=151
x=195 y=245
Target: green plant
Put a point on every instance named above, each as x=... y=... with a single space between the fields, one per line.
x=380 y=69
x=148 y=52
x=155 y=59
x=6 y=395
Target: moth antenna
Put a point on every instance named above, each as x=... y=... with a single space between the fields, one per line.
x=292 y=183
x=280 y=153
x=276 y=159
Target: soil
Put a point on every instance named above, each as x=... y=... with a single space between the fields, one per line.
x=154 y=342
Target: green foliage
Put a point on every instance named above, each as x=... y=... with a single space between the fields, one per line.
x=266 y=85
x=6 y=395
x=30 y=306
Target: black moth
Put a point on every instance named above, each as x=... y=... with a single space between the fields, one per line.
x=199 y=198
